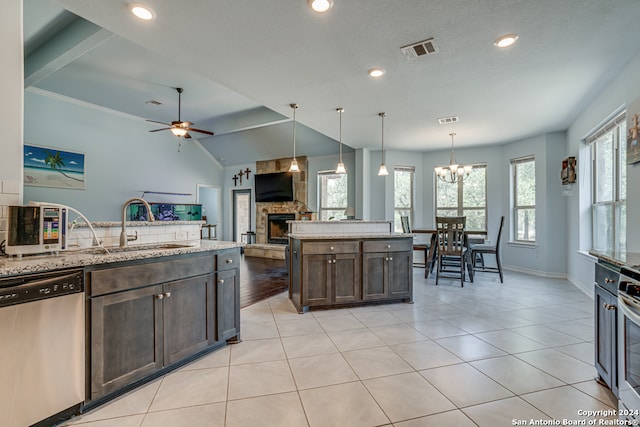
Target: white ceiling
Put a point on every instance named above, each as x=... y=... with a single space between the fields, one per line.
x=243 y=62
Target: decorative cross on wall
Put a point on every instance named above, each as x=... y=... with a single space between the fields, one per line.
x=235 y=180
x=238 y=177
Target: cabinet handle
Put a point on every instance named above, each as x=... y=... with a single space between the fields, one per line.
x=329 y=261
x=607 y=280
x=221 y=281
x=160 y=296
x=388 y=246
x=386 y=258
x=390 y=258
x=229 y=261
x=334 y=261
x=331 y=248
x=167 y=294
x=608 y=306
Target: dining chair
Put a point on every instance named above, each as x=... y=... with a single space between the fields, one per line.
x=450 y=247
x=417 y=246
x=478 y=252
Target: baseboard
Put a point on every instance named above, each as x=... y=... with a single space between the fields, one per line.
x=535 y=272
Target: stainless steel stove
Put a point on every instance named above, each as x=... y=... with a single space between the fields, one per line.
x=629 y=345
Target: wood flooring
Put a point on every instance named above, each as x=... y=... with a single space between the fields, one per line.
x=261 y=278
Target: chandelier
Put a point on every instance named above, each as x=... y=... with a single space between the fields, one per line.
x=454 y=172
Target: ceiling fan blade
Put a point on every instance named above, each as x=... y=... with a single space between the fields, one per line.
x=187 y=136
x=157 y=130
x=201 y=131
x=162 y=123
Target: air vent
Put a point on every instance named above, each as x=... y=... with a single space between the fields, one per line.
x=153 y=102
x=447 y=120
x=426 y=47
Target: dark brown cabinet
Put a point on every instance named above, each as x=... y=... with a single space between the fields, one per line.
x=341 y=271
x=149 y=315
x=606 y=331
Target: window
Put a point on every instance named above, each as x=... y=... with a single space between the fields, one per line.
x=609 y=185
x=465 y=198
x=524 y=199
x=402 y=195
x=332 y=195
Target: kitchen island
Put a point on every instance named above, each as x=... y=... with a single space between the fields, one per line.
x=353 y=263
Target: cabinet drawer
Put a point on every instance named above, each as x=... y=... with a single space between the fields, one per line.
x=396 y=245
x=134 y=276
x=227 y=260
x=607 y=278
x=349 y=247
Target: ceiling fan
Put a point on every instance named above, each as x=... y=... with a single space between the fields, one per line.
x=178 y=127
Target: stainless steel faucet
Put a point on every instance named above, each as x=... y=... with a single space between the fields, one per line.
x=124 y=237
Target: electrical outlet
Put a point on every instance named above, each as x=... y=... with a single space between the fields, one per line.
x=182 y=235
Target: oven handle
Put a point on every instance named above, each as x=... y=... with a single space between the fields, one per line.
x=629 y=307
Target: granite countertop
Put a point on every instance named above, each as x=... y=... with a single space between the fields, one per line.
x=619 y=258
x=103 y=224
x=12 y=266
x=343 y=221
x=351 y=236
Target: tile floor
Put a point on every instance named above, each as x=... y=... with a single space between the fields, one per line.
x=488 y=354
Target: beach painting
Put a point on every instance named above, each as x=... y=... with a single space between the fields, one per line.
x=51 y=167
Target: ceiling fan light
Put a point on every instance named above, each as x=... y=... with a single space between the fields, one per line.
x=178 y=131
x=320 y=5
x=340 y=169
x=142 y=12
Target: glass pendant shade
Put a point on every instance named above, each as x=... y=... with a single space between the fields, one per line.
x=294 y=163
x=383 y=168
x=294 y=166
x=340 y=169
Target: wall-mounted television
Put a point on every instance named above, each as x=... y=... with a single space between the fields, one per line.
x=274 y=187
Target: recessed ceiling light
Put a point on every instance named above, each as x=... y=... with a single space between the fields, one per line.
x=141 y=11
x=506 y=40
x=376 y=72
x=320 y=5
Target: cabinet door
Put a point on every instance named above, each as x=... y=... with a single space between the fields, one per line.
x=400 y=274
x=228 y=304
x=605 y=339
x=126 y=338
x=346 y=278
x=317 y=279
x=375 y=283
x=186 y=330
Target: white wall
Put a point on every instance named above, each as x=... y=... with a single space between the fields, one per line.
x=122 y=159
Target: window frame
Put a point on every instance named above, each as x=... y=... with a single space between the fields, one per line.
x=515 y=207
x=402 y=209
x=321 y=208
x=460 y=208
x=617 y=203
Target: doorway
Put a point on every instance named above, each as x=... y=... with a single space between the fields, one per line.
x=209 y=197
x=241 y=213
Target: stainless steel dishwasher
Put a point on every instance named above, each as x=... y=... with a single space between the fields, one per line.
x=41 y=348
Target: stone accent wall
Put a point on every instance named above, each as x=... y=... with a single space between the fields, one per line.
x=299 y=193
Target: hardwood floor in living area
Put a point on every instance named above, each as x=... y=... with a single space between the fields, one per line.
x=261 y=278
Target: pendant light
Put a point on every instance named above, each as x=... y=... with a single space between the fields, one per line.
x=294 y=163
x=383 y=168
x=453 y=172
x=340 y=168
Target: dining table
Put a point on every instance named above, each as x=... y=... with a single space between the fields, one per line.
x=431 y=254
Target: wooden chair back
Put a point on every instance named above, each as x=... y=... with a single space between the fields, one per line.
x=450 y=233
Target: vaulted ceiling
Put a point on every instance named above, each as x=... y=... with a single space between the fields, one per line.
x=243 y=62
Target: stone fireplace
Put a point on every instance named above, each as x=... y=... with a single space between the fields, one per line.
x=277 y=228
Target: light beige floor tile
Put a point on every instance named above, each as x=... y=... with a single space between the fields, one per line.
x=218 y=359
x=257 y=316
x=376 y=318
x=194 y=416
x=258 y=379
x=135 y=402
x=583 y=351
x=560 y=365
x=130 y=421
x=468 y=347
x=318 y=371
x=464 y=385
x=473 y=324
x=503 y=412
x=258 y=330
x=565 y=402
x=188 y=388
x=437 y=329
x=255 y=351
x=455 y=418
x=308 y=345
x=407 y=396
x=598 y=391
x=573 y=328
x=516 y=375
x=546 y=335
x=355 y=339
x=303 y=326
x=425 y=354
x=397 y=334
x=340 y=323
x=376 y=362
x=416 y=314
x=342 y=405
x=277 y=410
x=510 y=341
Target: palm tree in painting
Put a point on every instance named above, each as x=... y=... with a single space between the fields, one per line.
x=56 y=162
